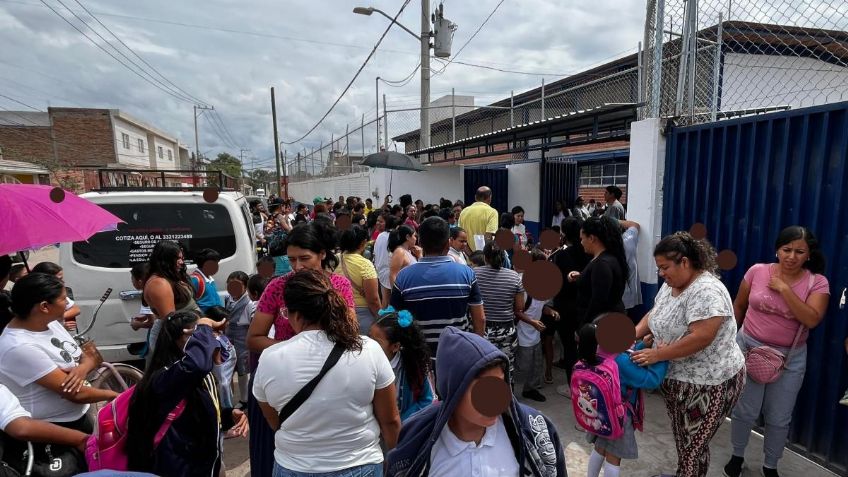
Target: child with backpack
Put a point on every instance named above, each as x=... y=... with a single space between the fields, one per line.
x=607 y=400
x=205 y=291
x=174 y=419
x=241 y=308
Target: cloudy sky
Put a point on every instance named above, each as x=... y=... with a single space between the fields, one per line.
x=229 y=53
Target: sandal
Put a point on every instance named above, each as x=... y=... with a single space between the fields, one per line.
x=549 y=379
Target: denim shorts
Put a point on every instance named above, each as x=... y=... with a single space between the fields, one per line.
x=367 y=470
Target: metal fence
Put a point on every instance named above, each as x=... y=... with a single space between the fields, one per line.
x=339 y=153
x=705 y=59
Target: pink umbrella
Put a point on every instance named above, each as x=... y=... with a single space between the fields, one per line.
x=33 y=216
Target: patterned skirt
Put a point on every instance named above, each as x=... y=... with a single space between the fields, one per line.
x=504 y=336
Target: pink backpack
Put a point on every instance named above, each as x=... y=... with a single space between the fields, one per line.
x=106 y=448
x=597 y=401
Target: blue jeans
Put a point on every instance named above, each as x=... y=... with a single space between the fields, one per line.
x=367 y=470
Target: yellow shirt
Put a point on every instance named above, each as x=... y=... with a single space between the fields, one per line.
x=367 y=211
x=359 y=269
x=477 y=219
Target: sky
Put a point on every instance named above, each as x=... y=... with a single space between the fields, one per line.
x=229 y=53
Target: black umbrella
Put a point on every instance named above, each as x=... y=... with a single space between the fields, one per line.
x=393 y=160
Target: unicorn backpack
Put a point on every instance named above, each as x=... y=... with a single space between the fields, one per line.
x=596 y=398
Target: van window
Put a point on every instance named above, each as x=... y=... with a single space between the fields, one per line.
x=196 y=226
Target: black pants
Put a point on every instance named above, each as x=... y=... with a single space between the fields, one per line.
x=566 y=328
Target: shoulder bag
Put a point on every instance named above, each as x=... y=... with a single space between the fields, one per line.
x=307 y=390
x=765 y=364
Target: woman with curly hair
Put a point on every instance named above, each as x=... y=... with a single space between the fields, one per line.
x=408 y=353
x=693 y=328
x=337 y=429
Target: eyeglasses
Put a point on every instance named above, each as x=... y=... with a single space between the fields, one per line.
x=63 y=350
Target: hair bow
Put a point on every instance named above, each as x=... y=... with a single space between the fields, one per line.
x=387 y=310
x=404 y=318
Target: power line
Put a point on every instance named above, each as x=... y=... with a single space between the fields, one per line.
x=20 y=102
x=403 y=82
x=469 y=39
x=200 y=101
x=110 y=54
x=373 y=50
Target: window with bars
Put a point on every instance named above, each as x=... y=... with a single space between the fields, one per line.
x=140 y=145
x=125 y=139
x=170 y=155
x=602 y=175
x=160 y=152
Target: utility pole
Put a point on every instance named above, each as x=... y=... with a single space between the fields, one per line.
x=425 y=76
x=276 y=140
x=377 y=103
x=197 y=158
x=241 y=164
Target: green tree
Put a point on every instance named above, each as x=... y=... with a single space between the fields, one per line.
x=260 y=178
x=227 y=163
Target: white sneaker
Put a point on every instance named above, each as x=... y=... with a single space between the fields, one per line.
x=564 y=390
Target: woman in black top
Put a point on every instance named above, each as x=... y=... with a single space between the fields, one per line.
x=571 y=258
x=601 y=284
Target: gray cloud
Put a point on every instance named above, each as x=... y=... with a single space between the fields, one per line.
x=308 y=50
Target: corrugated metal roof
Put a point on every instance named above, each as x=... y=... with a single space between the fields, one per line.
x=24 y=118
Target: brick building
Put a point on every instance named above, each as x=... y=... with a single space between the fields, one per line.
x=73 y=142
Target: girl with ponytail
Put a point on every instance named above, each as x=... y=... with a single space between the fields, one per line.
x=339 y=425
x=403 y=343
x=600 y=285
x=180 y=373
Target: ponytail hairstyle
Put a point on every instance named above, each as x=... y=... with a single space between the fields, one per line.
x=311 y=294
x=351 y=239
x=816 y=262
x=414 y=351
x=317 y=236
x=391 y=221
x=608 y=232
x=32 y=290
x=145 y=407
x=493 y=254
x=587 y=343
x=398 y=236
x=680 y=245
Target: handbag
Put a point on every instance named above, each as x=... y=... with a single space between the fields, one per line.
x=765 y=364
x=306 y=390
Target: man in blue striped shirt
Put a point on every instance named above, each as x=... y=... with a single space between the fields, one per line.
x=438 y=291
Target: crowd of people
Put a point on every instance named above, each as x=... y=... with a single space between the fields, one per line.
x=364 y=342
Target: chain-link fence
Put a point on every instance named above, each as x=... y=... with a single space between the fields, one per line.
x=459 y=120
x=341 y=154
x=706 y=59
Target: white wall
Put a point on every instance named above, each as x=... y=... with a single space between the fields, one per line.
x=132 y=156
x=644 y=191
x=429 y=186
x=524 y=187
x=163 y=162
x=751 y=81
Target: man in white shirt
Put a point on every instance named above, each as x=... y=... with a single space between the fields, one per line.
x=612 y=195
x=473 y=438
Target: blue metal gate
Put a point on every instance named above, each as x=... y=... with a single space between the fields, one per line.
x=746 y=179
x=493 y=176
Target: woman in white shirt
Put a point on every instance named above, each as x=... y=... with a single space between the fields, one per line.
x=40 y=362
x=338 y=428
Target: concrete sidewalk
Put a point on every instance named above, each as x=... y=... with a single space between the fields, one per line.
x=657 y=452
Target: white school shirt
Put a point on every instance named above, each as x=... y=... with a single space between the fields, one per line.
x=10 y=408
x=452 y=457
x=527 y=335
x=26 y=357
x=335 y=428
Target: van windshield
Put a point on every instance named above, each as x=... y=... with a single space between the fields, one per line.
x=196 y=226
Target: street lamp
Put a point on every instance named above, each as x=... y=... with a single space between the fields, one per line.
x=425 y=63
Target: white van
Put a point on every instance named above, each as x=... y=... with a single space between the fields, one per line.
x=104 y=261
